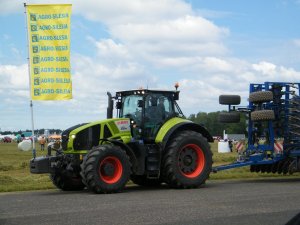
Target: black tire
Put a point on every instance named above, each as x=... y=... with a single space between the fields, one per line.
x=229 y=99
x=106 y=169
x=262 y=115
x=67 y=181
x=261 y=96
x=229 y=117
x=142 y=180
x=187 y=160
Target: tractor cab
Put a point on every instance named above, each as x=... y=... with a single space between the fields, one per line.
x=147 y=110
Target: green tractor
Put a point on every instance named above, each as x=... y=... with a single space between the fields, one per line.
x=150 y=142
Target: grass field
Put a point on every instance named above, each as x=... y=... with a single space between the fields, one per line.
x=15 y=175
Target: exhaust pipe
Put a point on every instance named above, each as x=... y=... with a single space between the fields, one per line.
x=110 y=106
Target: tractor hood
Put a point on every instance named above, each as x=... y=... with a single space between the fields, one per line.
x=83 y=137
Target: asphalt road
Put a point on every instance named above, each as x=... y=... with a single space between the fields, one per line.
x=258 y=202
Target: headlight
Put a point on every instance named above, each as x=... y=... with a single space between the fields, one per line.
x=73 y=136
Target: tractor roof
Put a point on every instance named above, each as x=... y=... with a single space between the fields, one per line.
x=145 y=91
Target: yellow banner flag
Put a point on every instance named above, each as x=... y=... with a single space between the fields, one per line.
x=49 y=51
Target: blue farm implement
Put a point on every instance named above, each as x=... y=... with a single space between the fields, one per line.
x=273 y=127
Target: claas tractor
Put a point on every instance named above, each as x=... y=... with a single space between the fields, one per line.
x=149 y=142
x=273 y=118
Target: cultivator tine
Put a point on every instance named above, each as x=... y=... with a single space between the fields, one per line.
x=295 y=133
x=294 y=102
x=293 y=86
x=257 y=168
x=252 y=168
x=280 y=167
x=269 y=168
x=264 y=168
x=295 y=125
x=293 y=167
x=294 y=117
x=285 y=167
x=291 y=92
x=293 y=110
x=274 y=167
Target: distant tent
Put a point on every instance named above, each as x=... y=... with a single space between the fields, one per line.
x=18 y=137
x=27 y=134
x=54 y=136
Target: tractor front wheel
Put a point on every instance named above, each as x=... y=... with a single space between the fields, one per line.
x=187 y=161
x=67 y=181
x=106 y=169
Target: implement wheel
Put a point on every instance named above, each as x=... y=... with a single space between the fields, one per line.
x=229 y=117
x=187 y=161
x=262 y=115
x=261 y=96
x=229 y=99
x=106 y=169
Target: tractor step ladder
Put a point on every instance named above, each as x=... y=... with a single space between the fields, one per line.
x=153 y=160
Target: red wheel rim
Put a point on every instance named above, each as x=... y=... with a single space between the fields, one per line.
x=191 y=161
x=110 y=170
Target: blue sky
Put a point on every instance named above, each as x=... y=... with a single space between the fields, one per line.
x=210 y=47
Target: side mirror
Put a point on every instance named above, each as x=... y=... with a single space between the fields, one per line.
x=176 y=96
x=140 y=103
x=118 y=105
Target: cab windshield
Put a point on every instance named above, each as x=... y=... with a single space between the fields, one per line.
x=130 y=108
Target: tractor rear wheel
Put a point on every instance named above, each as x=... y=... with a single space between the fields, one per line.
x=106 y=169
x=67 y=181
x=142 y=180
x=187 y=161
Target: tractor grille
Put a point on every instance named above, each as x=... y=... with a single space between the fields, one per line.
x=65 y=135
x=87 y=138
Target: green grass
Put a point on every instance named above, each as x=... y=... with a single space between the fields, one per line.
x=14 y=170
x=15 y=174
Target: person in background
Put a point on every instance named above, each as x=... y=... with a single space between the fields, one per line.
x=230 y=144
x=42 y=143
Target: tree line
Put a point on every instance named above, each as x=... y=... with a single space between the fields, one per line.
x=208 y=120
x=215 y=128
x=36 y=132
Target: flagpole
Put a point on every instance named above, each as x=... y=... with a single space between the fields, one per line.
x=31 y=104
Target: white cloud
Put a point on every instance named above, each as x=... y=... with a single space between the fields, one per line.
x=184 y=28
x=108 y=48
x=146 y=38
x=265 y=68
x=14 y=77
x=128 y=11
x=11 y=6
x=216 y=64
x=184 y=36
x=296 y=42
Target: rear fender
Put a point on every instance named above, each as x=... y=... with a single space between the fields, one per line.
x=176 y=125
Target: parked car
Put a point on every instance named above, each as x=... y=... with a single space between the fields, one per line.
x=7 y=140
